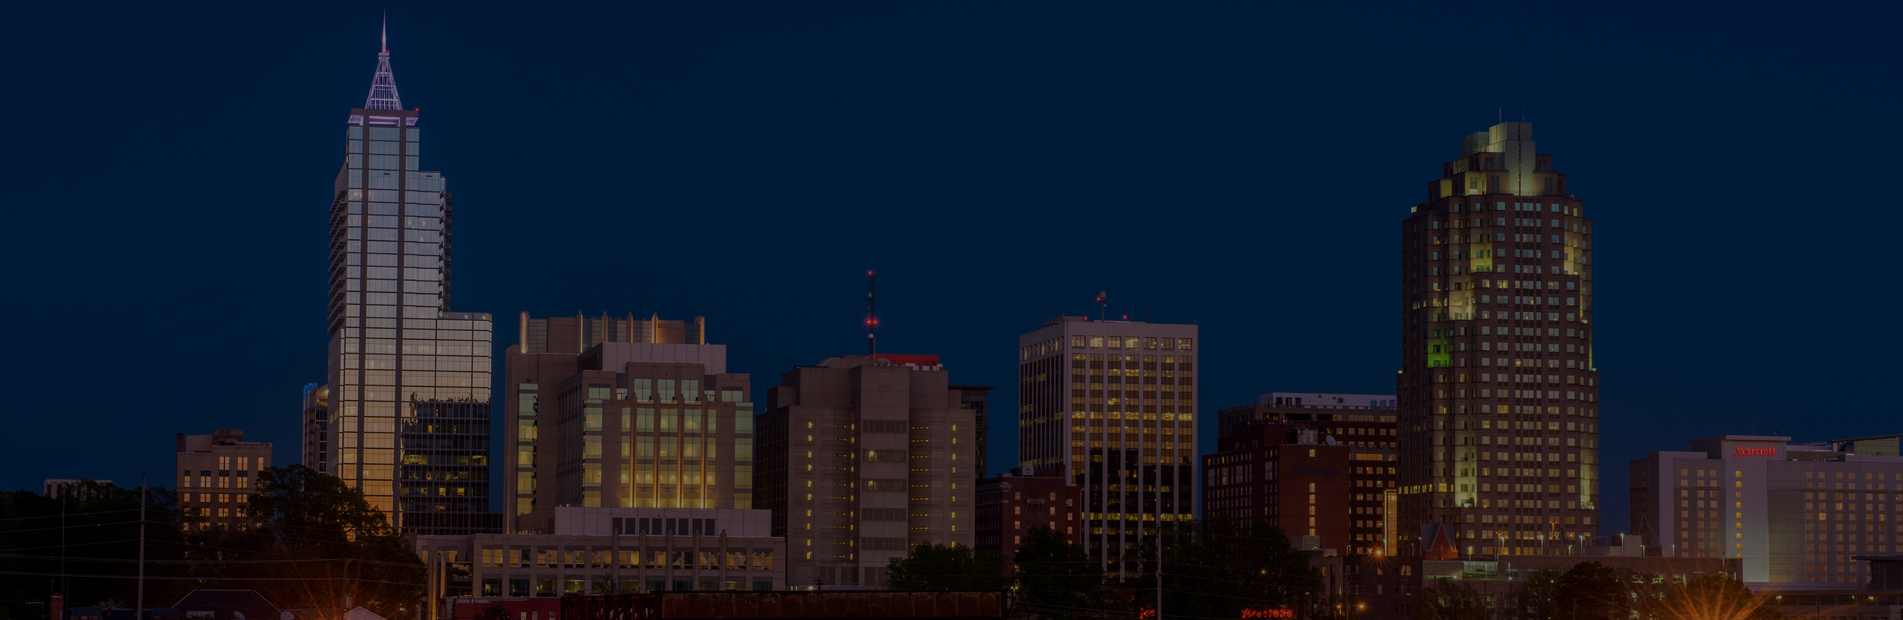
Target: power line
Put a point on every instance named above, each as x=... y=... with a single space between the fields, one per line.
x=108 y=542
x=68 y=527
x=185 y=578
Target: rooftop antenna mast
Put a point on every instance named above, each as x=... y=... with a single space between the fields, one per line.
x=872 y=321
x=1103 y=305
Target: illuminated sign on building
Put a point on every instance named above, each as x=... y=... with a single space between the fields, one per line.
x=1325 y=471
x=1765 y=451
x=1279 y=613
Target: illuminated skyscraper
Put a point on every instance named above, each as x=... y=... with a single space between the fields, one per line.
x=1112 y=403
x=395 y=348
x=1499 y=411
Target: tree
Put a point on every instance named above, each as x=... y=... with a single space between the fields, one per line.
x=1217 y=568
x=1538 y=597
x=1592 y=591
x=942 y=567
x=1056 y=579
x=1450 y=599
x=313 y=543
x=1712 y=597
x=101 y=534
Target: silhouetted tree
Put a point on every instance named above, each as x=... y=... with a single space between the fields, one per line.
x=1450 y=599
x=1217 y=568
x=101 y=537
x=313 y=541
x=942 y=567
x=1057 y=579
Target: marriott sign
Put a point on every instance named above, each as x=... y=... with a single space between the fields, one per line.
x=1764 y=451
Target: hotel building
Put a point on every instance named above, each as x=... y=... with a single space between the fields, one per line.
x=1796 y=515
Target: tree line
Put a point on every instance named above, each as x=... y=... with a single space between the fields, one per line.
x=1593 y=591
x=310 y=543
x=1208 y=569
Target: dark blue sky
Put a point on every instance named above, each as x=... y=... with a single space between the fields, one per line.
x=1242 y=167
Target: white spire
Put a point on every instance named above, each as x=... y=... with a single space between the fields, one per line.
x=383 y=94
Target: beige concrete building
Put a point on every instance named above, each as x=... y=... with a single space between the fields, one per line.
x=860 y=459
x=572 y=550
x=607 y=412
x=217 y=474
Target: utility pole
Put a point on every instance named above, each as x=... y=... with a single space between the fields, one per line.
x=139 y=606
x=1159 y=574
x=62 y=547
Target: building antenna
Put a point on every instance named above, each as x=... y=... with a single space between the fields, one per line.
x=872 y=321
x=1103 y=306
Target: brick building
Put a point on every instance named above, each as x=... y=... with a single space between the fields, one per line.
x=1285 y=461
x=1023 y=499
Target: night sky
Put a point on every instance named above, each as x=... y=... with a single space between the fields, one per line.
x=1242 y=167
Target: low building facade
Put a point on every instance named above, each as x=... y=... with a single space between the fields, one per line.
x=574 y=550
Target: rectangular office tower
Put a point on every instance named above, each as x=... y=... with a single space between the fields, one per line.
x=1800 y=516
x=1113 y=403
x=395 y=346
x=606 y=412
x=861 y=458
x=1499 y=411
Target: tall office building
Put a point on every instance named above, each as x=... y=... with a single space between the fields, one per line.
x=1113 y=403
x=606 y=412
x=1498 y=393
x=395 y=346
x=861 y=458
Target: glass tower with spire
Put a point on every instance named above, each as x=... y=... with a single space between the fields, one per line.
x=409 y=380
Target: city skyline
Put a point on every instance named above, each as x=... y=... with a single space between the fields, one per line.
x=1672 y=378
